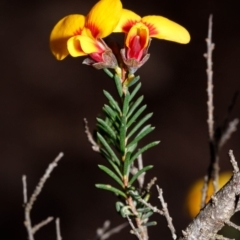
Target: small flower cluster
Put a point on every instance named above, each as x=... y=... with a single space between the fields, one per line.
x=80 y=35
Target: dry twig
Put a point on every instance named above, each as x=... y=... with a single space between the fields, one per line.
x=218 y=137
x=134 y=230
x=218 y=211
x=166 y=213
x=105 y=233
x=95 y=146
x=58 y=232
x=29 y=204
x=214 y=161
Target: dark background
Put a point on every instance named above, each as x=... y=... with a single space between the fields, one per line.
x=43 y=102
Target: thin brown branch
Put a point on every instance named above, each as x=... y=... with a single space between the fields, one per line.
x=29 y=205
x=213 y=170
x=141 y=178
x=208 y=56
x=103 y=234
x=166 y=213
x=142 y=230
x=24 y=182
x=134 y=170
x=58 y=229
x=220 y=237
x=41 y=224
x=151 y=183
x=134 y=230
x=154 y=209
x=204 y=191
x=232 y=127
x=233 y=225
x=217 y=212
x=95 y=146
x=233 y=162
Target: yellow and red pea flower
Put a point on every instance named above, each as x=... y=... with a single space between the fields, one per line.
x=78 y=35
x=139 y=32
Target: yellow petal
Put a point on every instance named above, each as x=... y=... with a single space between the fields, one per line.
x=74 y=47
x=127 y=20
x=83 y=45
x=104 y=17
x=66 y=28
x=163 y=28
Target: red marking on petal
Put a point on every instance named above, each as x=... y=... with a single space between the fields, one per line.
x=93 y=28
x=152 y=29
x=127 y=26
x=77 y=32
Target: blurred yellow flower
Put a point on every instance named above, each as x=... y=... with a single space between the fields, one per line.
x=193 y=200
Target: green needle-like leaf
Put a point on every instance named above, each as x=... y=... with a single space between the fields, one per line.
x=132 y=148
x=139 y=124
x=144 y=210
x=108 y=148
x=112 y=102
x=126 y=104
x=123 y=134
x=141 y=135
x=106 y=128
x=109 y=159
x=111 y=113
x=148 y=214
x=134 y=106
x=123 y=128
x=135 y=90
x=149 y=224
x=136 y=79
x=139 y=173
x=141 y=150
x=136 y=115
x=126 y=165
x=108 y=72
x=111 y=189
x=111 y=174
x=118 y=85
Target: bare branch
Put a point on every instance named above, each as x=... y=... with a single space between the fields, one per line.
x=95 y=146
x=154 y=209
x=151 y=183
x=166 y=213
x=204 y=191
x=29 y=205
x=41 y=224
x=134 y=170
x=214 y=159
x=231 y=224
x=58 y=231
x=101 y=231
x=103 y=234
x=233 y=162
x=218 y=211
x=208 y=56
x=134 y=230
x=141 y=178
x=42 y=181
x=220 y=237
x=24 y=181
x=232 y=127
